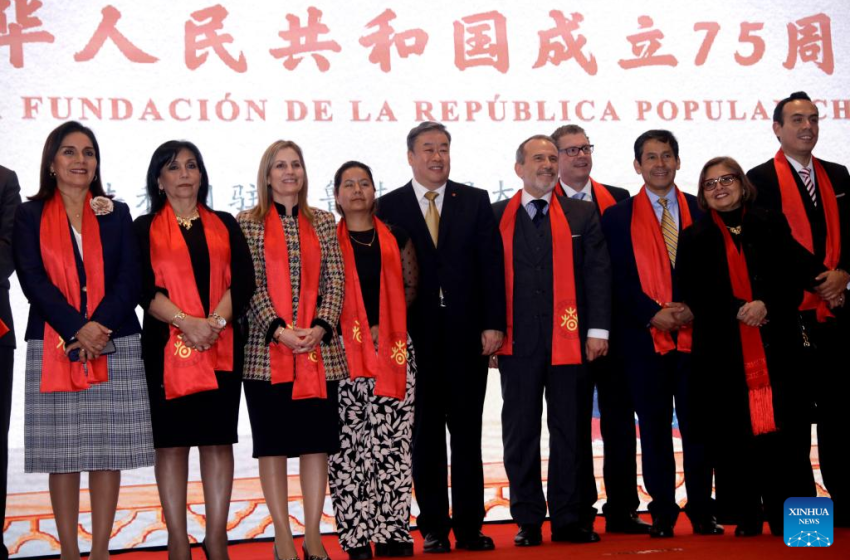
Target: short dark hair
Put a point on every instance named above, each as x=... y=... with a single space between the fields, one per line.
x=520 y=151
x=164 y=155
x=777 y=112
x=567 y=130
x=47 y=182
x=422 y=128
x=748 y=190
x=338 y=180
x=663 y=136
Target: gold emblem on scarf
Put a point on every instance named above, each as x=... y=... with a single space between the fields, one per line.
x=61 y=344
x=399 y=352
x=180 y=349
x=313 y=356
x=570 y=319
x=356 y=332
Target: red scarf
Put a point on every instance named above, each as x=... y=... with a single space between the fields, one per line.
x=755 y=362
x=566 y=344
x=389 y=363
x=801 y=229
x=603 y=197
x=3 y=329
x=188 y=371
x=306 y=371
x=653 y=264
x=58 y=373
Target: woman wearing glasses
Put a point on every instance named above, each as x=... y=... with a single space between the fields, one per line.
x=743 y=275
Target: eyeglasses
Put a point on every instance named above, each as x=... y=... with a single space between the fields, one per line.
x=725 y=180
x=573 y=151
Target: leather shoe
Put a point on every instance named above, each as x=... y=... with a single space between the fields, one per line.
x=435 y=544
x=529 y=535
x=575 y=534
x=396 y=549
x=360 y=553
x=707 y=526
x=477 y=543
x=629 y=524
x=661 y=530
x=749 y=529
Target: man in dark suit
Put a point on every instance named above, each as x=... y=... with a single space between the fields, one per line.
x=617 y=413
x=651 y=333
x=813 y=195
x=10 y=198
x=559 y=273
x=456 y=323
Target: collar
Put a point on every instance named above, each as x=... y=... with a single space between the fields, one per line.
x=797 y=166
x=421 y=190
x=671 y=196
x=526 y=198
x=281 y=209
x=587 y=189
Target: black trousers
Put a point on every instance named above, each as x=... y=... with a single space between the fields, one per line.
x=7 y=363
x=619 y=437
x=450 y=387
x=571 y=486
x=827 y=365
x=657 y=382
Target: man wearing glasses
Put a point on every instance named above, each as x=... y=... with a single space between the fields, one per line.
x=617 y=413
x=812 y=194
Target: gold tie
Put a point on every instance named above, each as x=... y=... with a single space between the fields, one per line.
x=432 y=216
x=669 y=231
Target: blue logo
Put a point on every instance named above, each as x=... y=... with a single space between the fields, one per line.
x=808 y=522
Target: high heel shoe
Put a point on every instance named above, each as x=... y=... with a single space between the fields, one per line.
x=308 y=556
x=276 y=557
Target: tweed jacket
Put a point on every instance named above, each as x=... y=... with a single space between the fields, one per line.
x=261 y=312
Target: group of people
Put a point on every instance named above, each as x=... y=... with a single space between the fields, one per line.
x=728 y=305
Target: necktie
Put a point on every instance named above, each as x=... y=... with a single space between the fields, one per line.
x=669 y=231
x=806 y=176
x=579 y=196
x=539 y=206
x=432 y=216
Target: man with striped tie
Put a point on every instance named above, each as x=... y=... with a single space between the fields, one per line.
x=812 y=194
x=651 y=333
x=617 y=413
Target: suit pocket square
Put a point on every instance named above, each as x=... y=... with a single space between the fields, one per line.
x=577 y=235
x=840 y=195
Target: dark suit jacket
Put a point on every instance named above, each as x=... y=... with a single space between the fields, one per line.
x=591 y=269
x=120 y=265
x=467 y=264
x=767 y=184
x=779 y=269
x=633 y=309
x=620 y=194
x=10 y=198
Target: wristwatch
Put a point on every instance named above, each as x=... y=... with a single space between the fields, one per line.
x=220 y=321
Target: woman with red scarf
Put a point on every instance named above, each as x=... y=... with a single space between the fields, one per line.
x=743 y=275
x=371 y=477
x=293 y=359
x=86 y=407
x=197 y=280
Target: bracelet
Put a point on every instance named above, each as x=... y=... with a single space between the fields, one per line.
x=180 y=315
x=220 y=321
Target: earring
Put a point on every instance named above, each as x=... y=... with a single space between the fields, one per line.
x=52 y=173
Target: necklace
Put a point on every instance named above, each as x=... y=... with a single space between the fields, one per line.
x=187 y=222
x=736 y=229
x=374 y=235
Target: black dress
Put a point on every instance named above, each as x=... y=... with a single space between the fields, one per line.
x=209 y=417
x=771 y=467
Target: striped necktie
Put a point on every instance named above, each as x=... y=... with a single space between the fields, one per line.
x=669 y=231
x=806 y=176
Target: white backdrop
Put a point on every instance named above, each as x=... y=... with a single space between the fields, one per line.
x=348 y=80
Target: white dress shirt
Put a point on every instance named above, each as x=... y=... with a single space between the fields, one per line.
x=423 y=202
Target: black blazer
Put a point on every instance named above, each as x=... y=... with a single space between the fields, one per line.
x=620 y=194
x=591 y=269
x=779 y=270
x=633 y=309
x=121 y=271
x=10 y=198
x=467 y=263
x=764 y=179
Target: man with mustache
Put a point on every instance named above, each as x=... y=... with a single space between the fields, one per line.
x=456 y=323
x=812 y=194
x=651 y=335
x=558 y=280
x=617 y=413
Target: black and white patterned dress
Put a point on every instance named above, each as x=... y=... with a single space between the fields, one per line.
x=371 y=477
